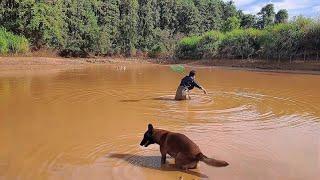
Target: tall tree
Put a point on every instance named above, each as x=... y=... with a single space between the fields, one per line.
x=44 y=26
x=108 y=20
x=231 y=23
x=230 y=16
x=128 y=26
x=229 y=10
x=211 y=14
x=167 y=14
x=248 y=21
x=39 y=21
x=266 y=16
x=281 y=16
x=146 y=24
x=188 y=17
x=82 y=29
x=10 y=15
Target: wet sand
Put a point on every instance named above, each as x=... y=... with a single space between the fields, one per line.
x=86 y=122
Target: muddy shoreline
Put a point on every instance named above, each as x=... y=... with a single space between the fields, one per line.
x=9 y=64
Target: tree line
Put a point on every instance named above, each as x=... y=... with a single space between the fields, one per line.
x=125 y=27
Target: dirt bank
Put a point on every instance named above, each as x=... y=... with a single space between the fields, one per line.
x=9 y=64
x=37 y=63
x=55 y=63
x=309 y=67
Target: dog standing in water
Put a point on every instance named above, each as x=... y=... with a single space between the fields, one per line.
x=186 y=153
x=187 y=84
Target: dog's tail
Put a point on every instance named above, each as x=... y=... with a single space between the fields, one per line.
x=211 y=161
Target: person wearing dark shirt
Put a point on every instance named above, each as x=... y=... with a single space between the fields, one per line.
x=187 y=84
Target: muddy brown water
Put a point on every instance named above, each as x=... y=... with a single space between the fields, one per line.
x=87 y=123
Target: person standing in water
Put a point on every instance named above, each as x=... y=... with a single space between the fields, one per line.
x=187 y=84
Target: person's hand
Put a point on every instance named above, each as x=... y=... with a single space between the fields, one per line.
x=204 y=91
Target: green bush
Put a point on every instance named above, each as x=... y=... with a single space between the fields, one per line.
x=10 y=43
x=3 y=46
x=284 y=41
x=310 y=43
x=281 y=41
x=187 y=48
x=234 y=44
x=240 y=43
x=156 y=51
x=209 y=44
x=17 y=44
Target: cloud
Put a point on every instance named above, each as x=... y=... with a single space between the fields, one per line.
x=316 y=8
x=291 y=4
x=295 y=7
x=254 y=7
x=240 y=3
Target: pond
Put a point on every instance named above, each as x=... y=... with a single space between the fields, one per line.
x=87 y=123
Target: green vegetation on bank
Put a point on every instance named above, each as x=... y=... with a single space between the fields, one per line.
x=299 y=39
x=214 y=28
x=10 y=43
x=111 y=27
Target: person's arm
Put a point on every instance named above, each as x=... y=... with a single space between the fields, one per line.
x=200 y=87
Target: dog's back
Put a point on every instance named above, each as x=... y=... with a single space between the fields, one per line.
x=179 y=143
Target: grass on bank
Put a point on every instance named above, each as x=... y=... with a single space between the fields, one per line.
x=12 y=44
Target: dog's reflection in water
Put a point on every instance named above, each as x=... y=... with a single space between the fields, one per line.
x=151 y=162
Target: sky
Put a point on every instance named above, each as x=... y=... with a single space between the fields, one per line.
x=309 y=8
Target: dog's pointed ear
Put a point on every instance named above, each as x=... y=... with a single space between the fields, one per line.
x=150 y=127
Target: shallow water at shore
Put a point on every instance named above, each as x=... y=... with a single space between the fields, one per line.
x=87 y=123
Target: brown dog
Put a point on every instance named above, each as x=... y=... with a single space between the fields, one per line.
x=186 y=153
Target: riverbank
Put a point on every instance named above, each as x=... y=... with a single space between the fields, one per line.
x=57 y=63
x=309 y=67
x=29 y=63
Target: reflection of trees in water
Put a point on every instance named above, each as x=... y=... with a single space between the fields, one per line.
x=4 y=89
x=13 y=86
x=30 y=86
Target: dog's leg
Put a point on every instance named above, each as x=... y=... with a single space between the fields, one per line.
x=163 y=158
x=185 y=162
x=181 y=160
x=178 y=160
x=163 y=155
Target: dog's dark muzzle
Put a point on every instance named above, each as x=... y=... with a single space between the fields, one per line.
x=143 y=143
